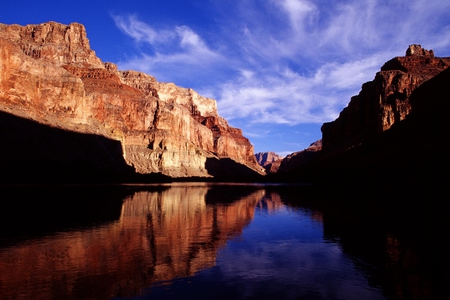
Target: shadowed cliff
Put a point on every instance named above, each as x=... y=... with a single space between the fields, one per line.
x=226 y=169
x=49 y=74
x=412 y=153
x=36 y=153
x=407 y=152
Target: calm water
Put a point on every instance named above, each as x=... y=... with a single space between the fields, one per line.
x=203 y=241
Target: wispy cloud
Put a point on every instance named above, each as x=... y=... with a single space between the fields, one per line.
x=288 y=97
x=171 y=52
x=285 y=61
x=322 y=55
x=142 y=32
x=300 y=14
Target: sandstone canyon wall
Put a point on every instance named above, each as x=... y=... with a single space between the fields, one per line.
x=393 y=134
x=49 y=74
x=383 y=101
x=270 y=161
x=266 y=158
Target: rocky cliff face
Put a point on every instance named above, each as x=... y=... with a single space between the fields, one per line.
x=297 y=159
x=49 y=74
x=269 y=160
x=393 y=134
x=266 y=158
x=383 y=101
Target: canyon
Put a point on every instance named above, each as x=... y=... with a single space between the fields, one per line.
x=65 y=112
x=266 y=158
x=49 y=77
x=395 y=132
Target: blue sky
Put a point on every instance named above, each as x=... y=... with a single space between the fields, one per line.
x=277 y=68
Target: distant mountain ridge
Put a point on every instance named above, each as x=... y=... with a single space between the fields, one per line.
x=265 y=158
x=269 y=160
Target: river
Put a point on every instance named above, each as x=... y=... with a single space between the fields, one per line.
x=212 y=241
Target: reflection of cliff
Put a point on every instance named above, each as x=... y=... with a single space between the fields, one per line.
x=405 y=267
x=271 y=202
x=161 y=235
x=59 y=208
x=399 y=248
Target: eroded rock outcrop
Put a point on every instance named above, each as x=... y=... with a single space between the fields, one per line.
x=383 y=101
x=269 y=160
x=49 y=74
x=265 y=158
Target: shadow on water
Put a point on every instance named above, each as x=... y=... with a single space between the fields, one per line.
x=190 y=240
x=398 y=243
x=29 y=211
x=99 y=242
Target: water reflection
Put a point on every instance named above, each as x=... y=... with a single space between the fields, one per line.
x=187 y=241
x=161 y=235
x=397 y=247
x=177 y=232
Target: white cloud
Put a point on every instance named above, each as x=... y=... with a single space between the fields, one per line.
x=299 y=13
x=342 y=46
x=289 y=61
x=142 y=32
x=174 y=51
x=286 y=97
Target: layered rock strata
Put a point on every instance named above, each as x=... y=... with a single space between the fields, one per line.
x=383 y=101
x=266 y=158
x=49 y=74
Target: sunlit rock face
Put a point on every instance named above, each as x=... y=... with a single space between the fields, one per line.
x=49 y=74
x=266 y=158
x=383 y=101
x=160 y=235
x=269 y=160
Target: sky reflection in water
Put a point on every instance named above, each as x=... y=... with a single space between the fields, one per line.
x=280 y=255
x=199 y=242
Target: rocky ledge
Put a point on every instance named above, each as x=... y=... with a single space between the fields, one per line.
x=49 y=74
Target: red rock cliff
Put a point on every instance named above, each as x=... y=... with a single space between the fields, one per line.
x=266 y=158
x=383 y=101
x=49 y=74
